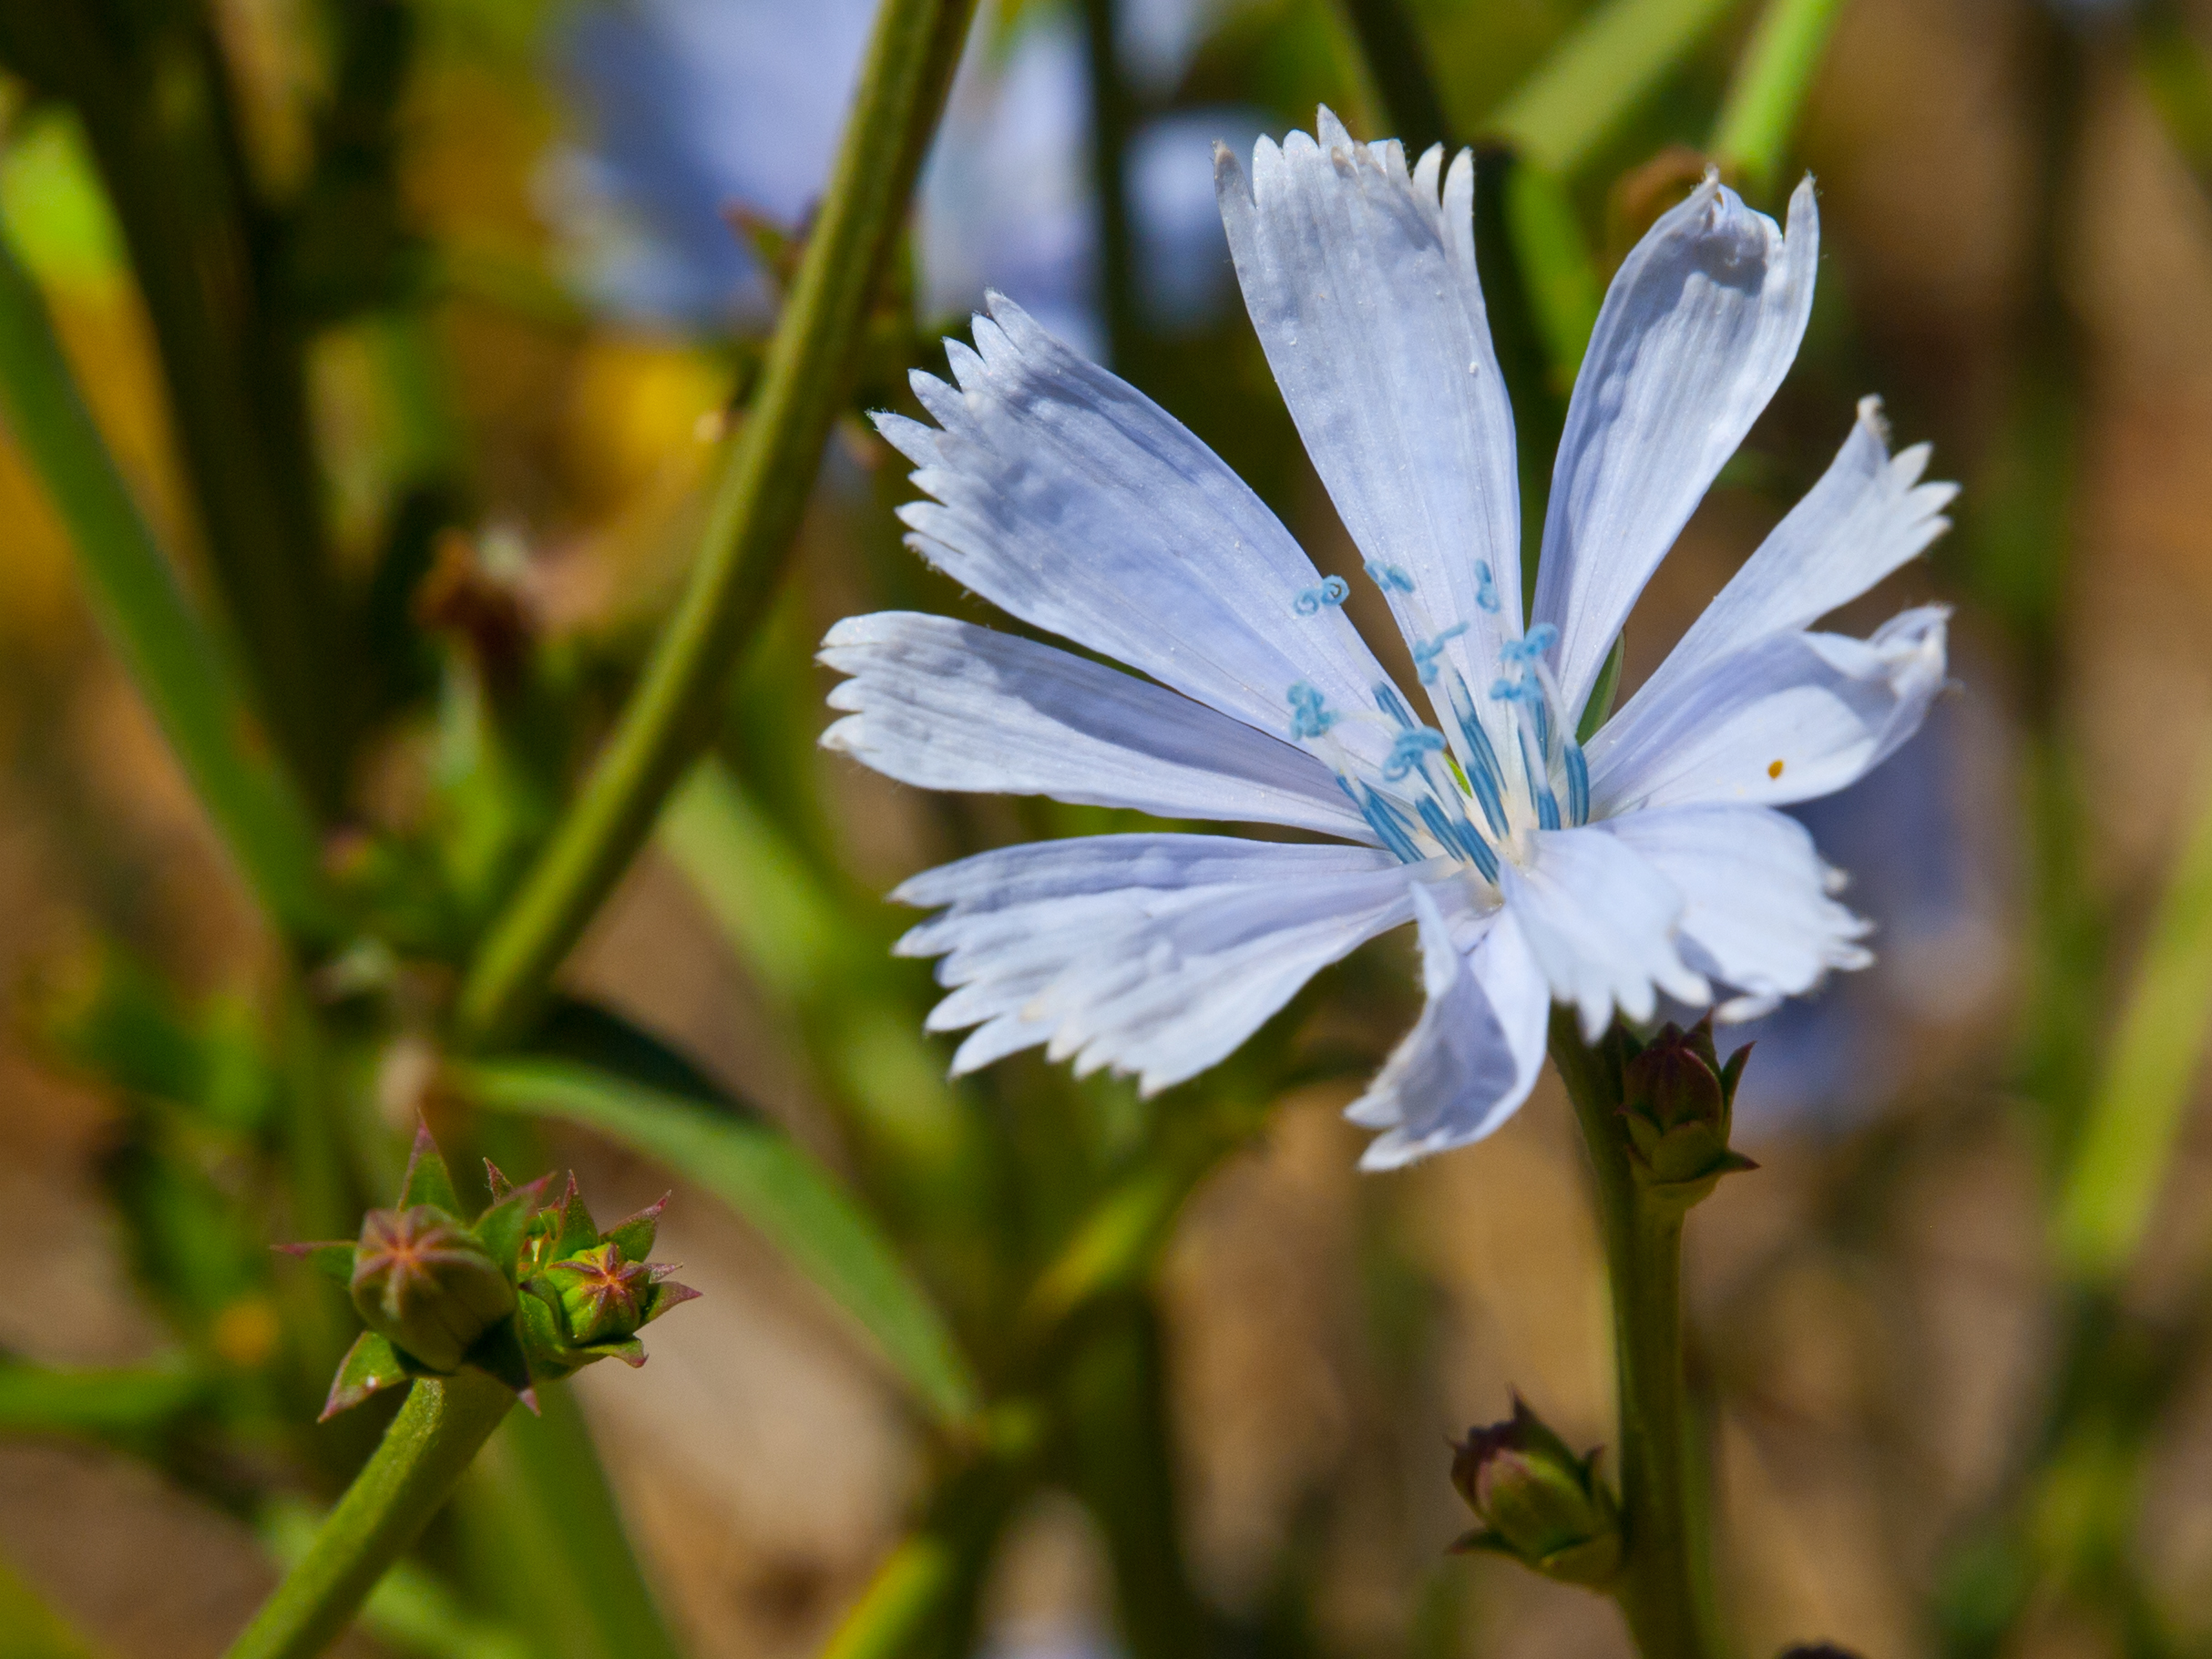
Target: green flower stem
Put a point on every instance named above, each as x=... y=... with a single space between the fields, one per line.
x=765 y=477
x=439 y=1430
x=169 y=654
x=1662 y=1589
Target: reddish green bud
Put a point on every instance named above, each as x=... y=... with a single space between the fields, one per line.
x=1538 y=1501
x=1678 y=1105
x=602 y=1297
x=421 y=1280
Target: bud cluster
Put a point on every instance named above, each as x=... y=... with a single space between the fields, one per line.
x=527 y=1292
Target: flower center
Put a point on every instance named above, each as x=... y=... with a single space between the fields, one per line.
x=1428 y=793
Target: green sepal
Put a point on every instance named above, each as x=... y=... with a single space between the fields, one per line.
x=577 y=1230
x=428 y=1180
x=663 y=1296
x=633 y=1236
x=370 y=1366
x=500 y=1229
x=627 y=1349
x=1483 y=1540
x=1732 y=1072
x=333 y=1258
x=545 y=1345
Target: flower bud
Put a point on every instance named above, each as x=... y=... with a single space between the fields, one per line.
x=421 y=1280
x=1538 y=1503
x=602 y=1297
x=1678 y=1103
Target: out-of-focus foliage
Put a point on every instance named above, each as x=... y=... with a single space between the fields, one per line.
x=367 y=367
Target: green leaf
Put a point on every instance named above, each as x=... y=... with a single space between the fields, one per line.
x=2176 y=72
x=2125 y=1146
x=119 y=1403
x=173 y=658
x=753 y=882
x=1772 y=79
x=1598 y=75
x=29 y=1629
x=800 y=1207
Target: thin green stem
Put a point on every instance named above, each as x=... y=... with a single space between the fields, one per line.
x=764 y=481
x=164 y=646
x=1660 y=1590
x=439 y=1430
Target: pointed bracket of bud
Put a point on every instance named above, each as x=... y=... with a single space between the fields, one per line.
x=1538 y=1503
x=1678 y=1101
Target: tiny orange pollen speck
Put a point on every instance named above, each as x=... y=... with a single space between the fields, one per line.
x=1773 y=769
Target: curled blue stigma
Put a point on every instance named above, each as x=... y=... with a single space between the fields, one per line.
x=1425 y=656
x=1333 y=590
x=1389 y=576
x=1529 y=646
x=1486 y=587
x=1408 y=751
x=1308 y=718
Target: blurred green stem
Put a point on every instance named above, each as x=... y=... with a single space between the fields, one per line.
x=1769 y=89
x=1662 y=1589
x=151 y=87
x=164 y=647
x=562 y=1514
x=1398 y=65
x=443 y=1423
x=766 y=478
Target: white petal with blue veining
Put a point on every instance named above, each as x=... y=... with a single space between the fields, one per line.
x=1869 y=514
x=1600 y=921
x=1360 y=278
x=1696 y=332
x=1069 y=499
x=944 y=704
x=1474 y=1054
x=1795 y=716
x=1758 y=913
x=1152 y=955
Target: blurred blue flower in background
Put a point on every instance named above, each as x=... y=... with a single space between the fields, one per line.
x=691 y=108
x=1920 y=874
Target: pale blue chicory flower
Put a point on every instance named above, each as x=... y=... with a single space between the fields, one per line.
x=1655 y=862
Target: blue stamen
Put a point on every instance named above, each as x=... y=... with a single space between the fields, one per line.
x=1307 y=717
x=1486 y=587
x=1387 y=700
x=1389 y=576
x=1406 y=752
x=1578 y=785
x=1333 y=590
x=1389 y=827
x=1425 y=656
x=1461 y=838
x=1547 y=804
x=1483 y=777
